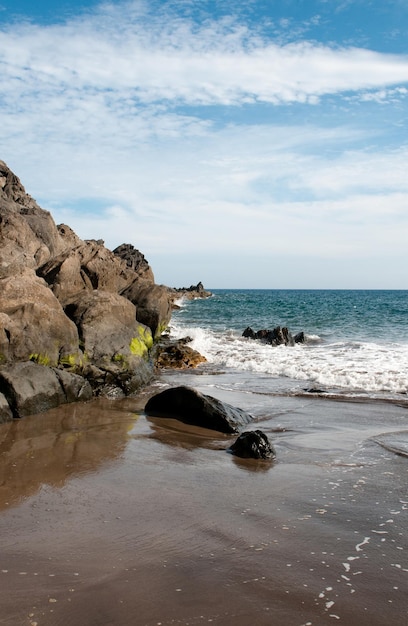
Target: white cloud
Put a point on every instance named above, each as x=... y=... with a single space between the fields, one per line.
x=384 y=96
x=108 y=121
x=146 y=60
x=252 y=189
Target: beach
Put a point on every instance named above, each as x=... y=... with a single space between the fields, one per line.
x=110 y=517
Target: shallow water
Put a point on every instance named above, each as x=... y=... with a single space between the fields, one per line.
x=108 y=517
x=356 y=341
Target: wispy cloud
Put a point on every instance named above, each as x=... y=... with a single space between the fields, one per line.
x=114 y=57
x=160 y=126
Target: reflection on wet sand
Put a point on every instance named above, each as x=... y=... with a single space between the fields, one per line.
x=171 y=432
x=177 y=434
x=50 y=448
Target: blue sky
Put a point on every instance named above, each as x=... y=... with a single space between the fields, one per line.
x=244 y=144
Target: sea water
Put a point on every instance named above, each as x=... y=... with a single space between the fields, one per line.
x=356 y=340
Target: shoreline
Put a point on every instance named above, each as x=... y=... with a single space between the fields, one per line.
x=121 y=519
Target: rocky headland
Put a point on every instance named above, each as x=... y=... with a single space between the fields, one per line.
x=76 y=319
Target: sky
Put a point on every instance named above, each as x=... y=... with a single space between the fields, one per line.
x=244 y=144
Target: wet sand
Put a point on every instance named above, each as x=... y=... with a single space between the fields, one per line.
x=108 y=517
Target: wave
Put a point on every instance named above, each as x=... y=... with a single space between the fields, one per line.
x=352 y=366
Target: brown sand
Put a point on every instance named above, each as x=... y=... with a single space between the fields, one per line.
x=107 y=517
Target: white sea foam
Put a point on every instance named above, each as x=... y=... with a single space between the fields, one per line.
x=180 y=302
x=351 y=366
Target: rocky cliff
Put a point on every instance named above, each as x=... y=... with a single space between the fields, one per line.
x=90 y=315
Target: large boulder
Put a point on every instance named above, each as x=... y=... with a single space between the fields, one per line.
x=192 y=407
x=31 y=388
x=115 y=345
x=107 y=327
x=153 y=305
x=33 y=324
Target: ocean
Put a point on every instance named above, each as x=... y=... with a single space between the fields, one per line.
x=356 y=340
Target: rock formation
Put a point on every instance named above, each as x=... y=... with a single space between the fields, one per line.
x=71 y=305
x=30 y=388
x=191 y=293
x=192 y=407
x=276 y=337
x=176 y=354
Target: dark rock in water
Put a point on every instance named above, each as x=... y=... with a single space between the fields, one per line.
x=253 y=444
x=314 y=390
x=276 y=337
x=300 y=337
x=191 y=293
x=249 y=333
x=192 y=407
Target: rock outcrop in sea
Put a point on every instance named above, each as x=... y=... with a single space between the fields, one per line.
x=192 y=292
x=276 y=337
x=76 y=319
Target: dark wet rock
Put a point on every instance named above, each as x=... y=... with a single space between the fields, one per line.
x=253 y=444
x=276 y=337
x=115 y=381
x=300 y=337
x=249 y=333
x=192 y=407
x=31 y=388
x=314 y=390
x=75 y=387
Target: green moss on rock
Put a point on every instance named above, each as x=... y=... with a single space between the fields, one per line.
x=160 y=330
x=41 y=359
x=72 y=361
x=138 y=347
x=146 y=335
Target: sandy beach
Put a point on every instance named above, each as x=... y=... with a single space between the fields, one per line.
x=110 y=518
